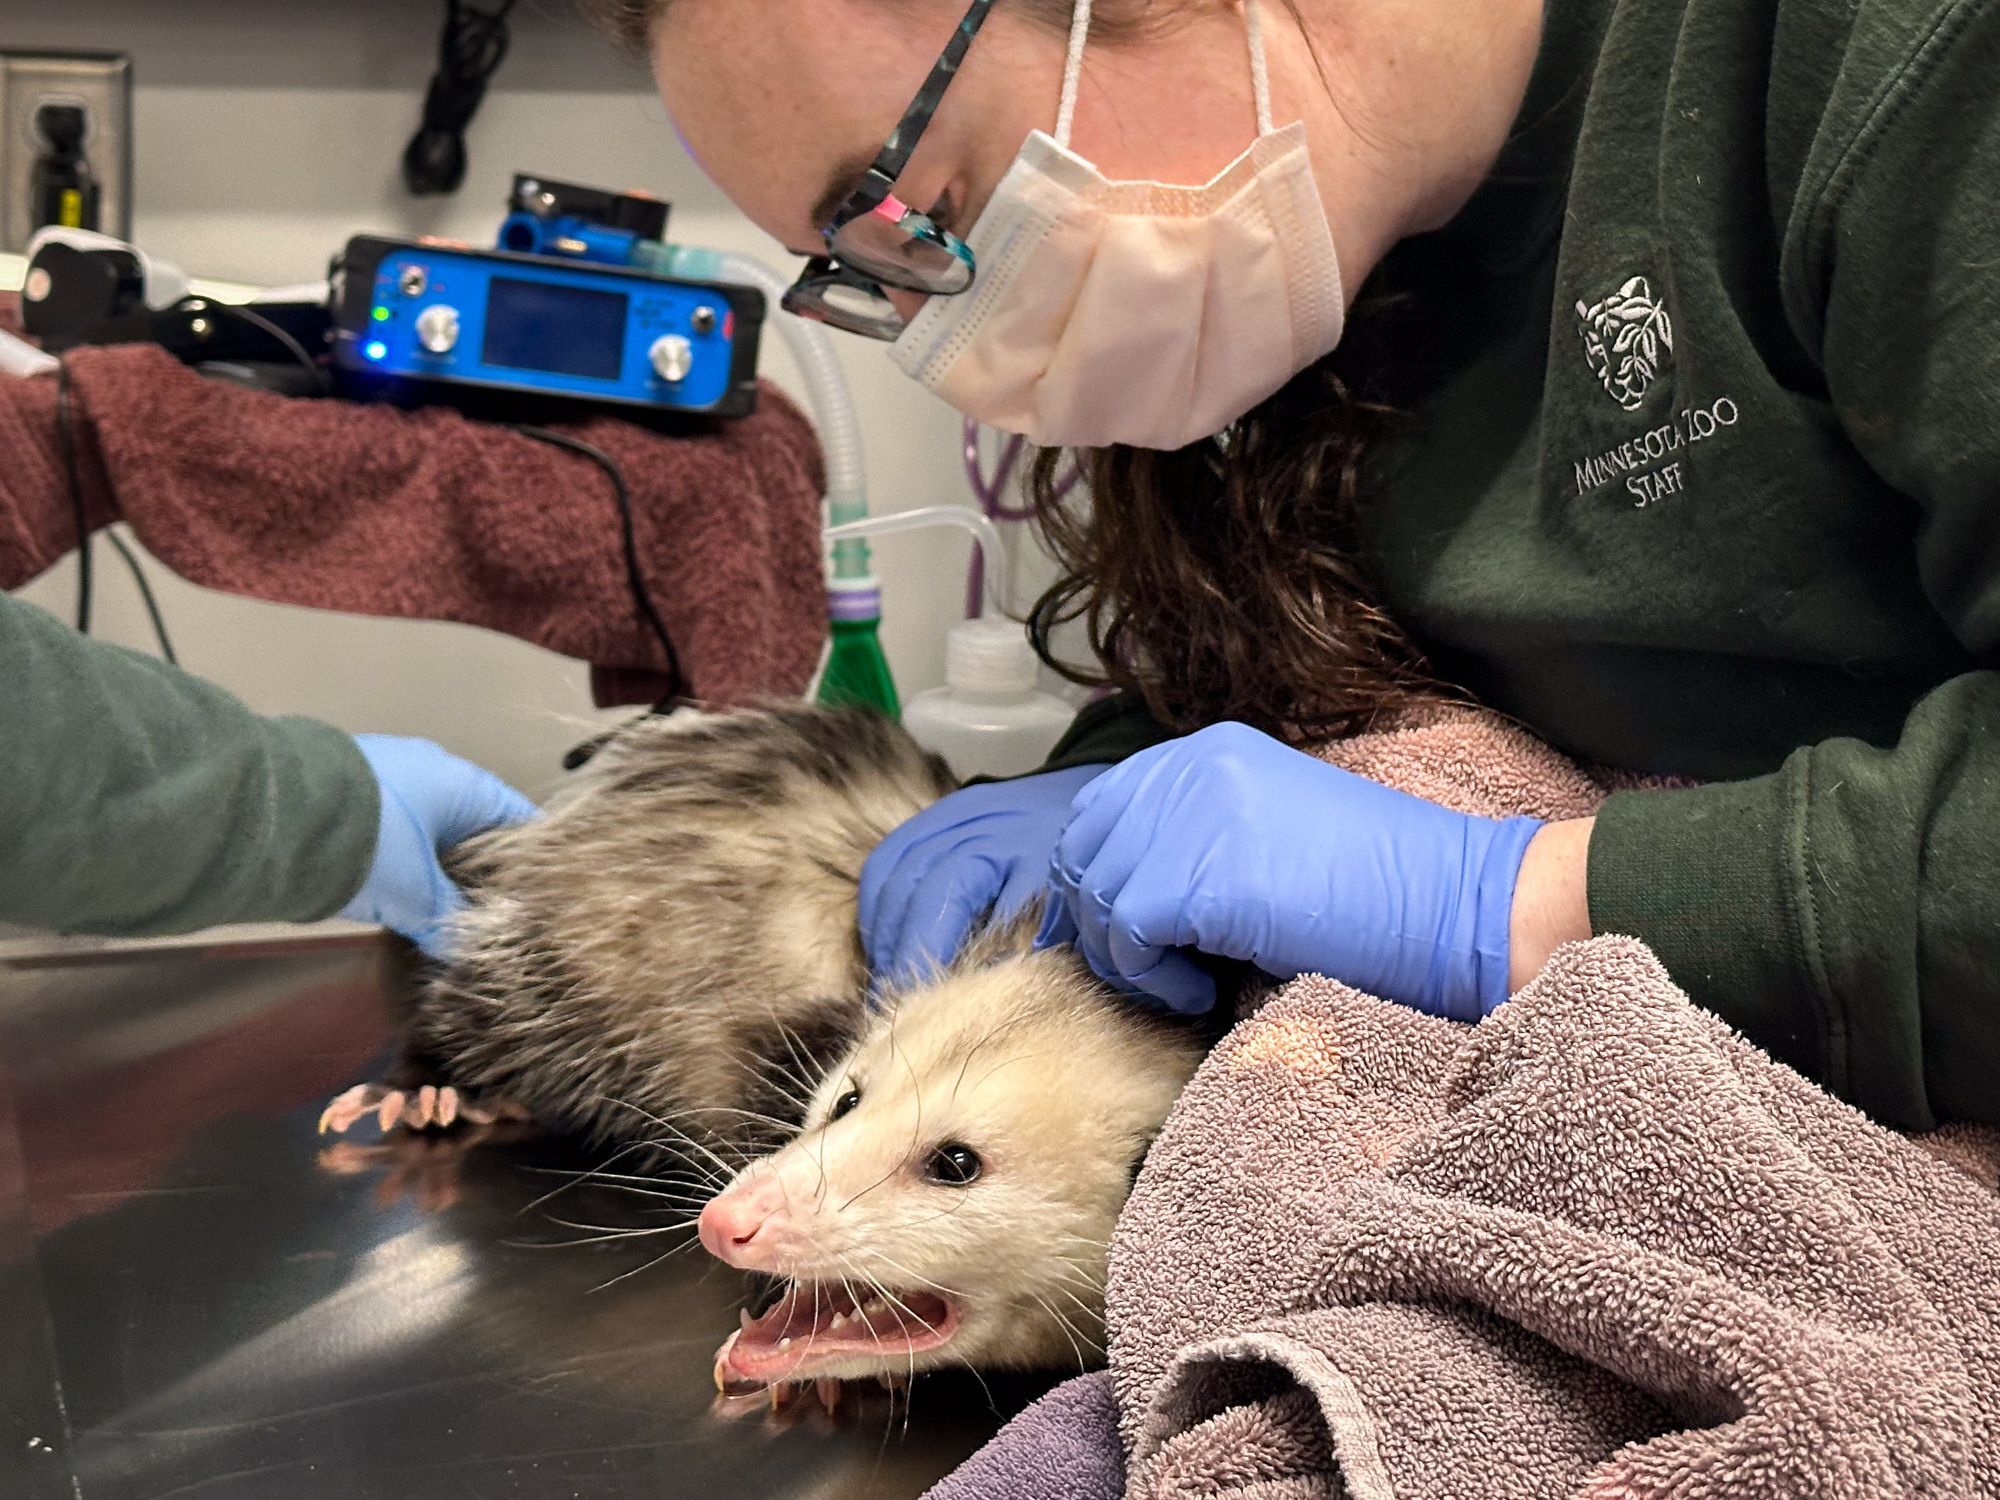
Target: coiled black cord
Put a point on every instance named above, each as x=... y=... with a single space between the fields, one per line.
x=67 y=443
x=635 y=576
x=471 y=50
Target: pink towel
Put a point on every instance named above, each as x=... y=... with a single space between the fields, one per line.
x=1597 y=1246
x=427 y=515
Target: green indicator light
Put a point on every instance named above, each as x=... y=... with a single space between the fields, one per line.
x=381 y=314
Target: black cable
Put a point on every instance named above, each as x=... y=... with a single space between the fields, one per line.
x=67 y=445
x=146 y=594
x=470 y=52
x=634 y=574
x=84 y=571
x=258 y=321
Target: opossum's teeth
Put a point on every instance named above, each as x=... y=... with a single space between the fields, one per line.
x=828 y=1392
x=726 y=1380
x=816 y=1331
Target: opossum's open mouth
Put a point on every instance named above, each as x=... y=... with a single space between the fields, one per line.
x=815 y=1327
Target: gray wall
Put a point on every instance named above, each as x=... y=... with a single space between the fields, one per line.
x=267 y=132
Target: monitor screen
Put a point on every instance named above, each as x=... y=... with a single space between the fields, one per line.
x=560 y=330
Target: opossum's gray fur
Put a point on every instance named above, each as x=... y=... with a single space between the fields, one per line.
x=675 y=940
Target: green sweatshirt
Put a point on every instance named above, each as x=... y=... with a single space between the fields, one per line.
x=139 y=800
x=1702 y=476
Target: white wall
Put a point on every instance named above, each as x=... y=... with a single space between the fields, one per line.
x=267 y=132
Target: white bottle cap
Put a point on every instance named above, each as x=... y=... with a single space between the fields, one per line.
x=990 y=657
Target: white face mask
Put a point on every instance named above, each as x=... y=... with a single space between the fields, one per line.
x=1135 y=312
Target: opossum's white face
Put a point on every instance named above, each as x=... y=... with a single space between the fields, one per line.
x=952 y=1195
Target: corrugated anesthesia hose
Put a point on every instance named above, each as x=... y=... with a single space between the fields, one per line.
x=826 y=389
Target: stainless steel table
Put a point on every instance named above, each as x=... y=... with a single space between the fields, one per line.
x=197 y=1303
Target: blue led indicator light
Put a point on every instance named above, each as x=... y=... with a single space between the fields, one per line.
x=377 y=350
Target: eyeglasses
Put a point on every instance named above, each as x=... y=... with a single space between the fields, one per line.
x=875 y=240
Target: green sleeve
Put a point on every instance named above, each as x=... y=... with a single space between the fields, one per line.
x=137 y=800
x=1845 y=911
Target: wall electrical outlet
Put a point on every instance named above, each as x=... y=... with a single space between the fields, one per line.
x=65 y=142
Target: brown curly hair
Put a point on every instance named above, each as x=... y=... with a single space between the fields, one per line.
x=1218 y=581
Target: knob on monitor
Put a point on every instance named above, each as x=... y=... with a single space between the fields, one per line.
x=437 y=329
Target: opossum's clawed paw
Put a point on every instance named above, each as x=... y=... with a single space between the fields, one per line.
x=427 y=1108
x=348 y=1109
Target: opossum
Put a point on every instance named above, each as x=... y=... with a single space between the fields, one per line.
x=669 y=959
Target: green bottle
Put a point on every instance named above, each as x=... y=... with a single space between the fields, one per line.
x=857 y=672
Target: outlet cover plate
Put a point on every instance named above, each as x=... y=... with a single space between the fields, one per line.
x=102 y=84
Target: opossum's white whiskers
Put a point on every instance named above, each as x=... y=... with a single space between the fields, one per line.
x=1024 y=1057
x=1062 y=1323
x=802 y=1058
x=916 y=1128
x=1065 y=1327
x=762 y=1069
x=609 y=1233
x=703 y=1147
x=677 y=1250
x=905 y=1270
x=819 y=1193
x=904 y=1307
x=1081 y=1306
x=847 y=1265
x=580 y=1176
x=787 y=1126
x=622 y=1179
x=999 y=1030
x=958 y=1202
x=990 y=1402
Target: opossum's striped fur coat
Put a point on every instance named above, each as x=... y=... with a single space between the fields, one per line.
x=675 y=939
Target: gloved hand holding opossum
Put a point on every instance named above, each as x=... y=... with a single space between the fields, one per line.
x=669 y=961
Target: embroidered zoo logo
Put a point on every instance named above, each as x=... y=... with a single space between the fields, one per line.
x=1628 y=339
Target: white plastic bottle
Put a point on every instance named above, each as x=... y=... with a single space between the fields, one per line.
x=988 y=719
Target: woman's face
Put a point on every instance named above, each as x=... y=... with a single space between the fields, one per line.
x=785 y=103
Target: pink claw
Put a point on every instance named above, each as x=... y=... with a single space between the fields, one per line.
x=828 y=1392
x=340 y=1115
x=390 y=1109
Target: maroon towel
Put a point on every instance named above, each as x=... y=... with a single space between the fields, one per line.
x=427 y=515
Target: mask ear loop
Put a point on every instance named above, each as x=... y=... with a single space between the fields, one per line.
x=1260 y=72
x=1079 y=32
x=1079 y=29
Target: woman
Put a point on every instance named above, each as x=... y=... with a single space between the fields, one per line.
x=1674 y=433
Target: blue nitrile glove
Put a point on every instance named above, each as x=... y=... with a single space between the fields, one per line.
x=1230 y=843
x=431 y=800
x=984 y=847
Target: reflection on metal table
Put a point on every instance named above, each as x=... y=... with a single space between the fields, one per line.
x=200 y=1299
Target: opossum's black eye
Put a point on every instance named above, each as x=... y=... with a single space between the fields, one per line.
x=954 y=1164
x=845 y=1104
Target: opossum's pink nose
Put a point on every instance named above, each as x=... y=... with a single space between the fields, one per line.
x=743 y=1227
